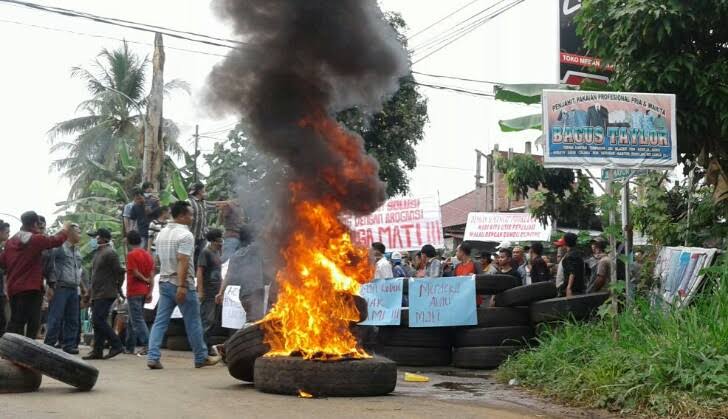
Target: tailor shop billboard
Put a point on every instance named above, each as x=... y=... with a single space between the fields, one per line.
x=609 y=129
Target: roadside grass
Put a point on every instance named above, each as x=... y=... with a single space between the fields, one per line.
x=670 y=363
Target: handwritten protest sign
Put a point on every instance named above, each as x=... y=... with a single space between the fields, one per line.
x=384 y=299
x=499 y=227
x=402 y=224
x=435 y=302
x=233 y=314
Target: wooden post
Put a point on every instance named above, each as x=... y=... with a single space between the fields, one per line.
x=153 y=141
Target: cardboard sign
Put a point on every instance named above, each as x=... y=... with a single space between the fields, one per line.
x=500 y=227
x=438 y=302
x=233 y=314
x=402 y=224
x=609 y=129
x=384 y=299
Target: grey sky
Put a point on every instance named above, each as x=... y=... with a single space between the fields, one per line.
x=519 y=46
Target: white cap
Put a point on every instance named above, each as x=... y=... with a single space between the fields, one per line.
x=396 y=256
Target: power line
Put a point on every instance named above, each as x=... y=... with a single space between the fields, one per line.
x=91 y=35
x=433 y=166
x=466 y=31
x=130 y=25
x=455 y=78
x=456 y=89
x=441 y=20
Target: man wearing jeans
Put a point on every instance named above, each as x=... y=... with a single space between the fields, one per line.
x=139 y=283
x=107 y=276
x=175 y=250
x=64 y=307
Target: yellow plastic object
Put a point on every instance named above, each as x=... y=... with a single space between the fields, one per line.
x=415 y=378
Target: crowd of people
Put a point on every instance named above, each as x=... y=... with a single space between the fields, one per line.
x=570 y=270
x=174 y=244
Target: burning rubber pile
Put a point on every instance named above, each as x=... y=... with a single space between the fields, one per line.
x=299 y=64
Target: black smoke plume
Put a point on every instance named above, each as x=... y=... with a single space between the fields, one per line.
x=303 y=61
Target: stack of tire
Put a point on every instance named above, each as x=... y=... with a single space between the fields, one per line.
x=24 y=362
x=415 y=347
x=176 y=337
x=577 y=307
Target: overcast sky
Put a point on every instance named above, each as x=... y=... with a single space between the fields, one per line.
x=519 y=46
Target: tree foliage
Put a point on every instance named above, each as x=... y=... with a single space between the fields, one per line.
x=664 y=46
x=559 y=194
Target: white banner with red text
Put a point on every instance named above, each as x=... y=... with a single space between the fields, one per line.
x=503 y=226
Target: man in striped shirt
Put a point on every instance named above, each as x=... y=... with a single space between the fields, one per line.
x=175 y=247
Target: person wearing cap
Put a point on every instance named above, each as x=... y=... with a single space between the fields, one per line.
x=175 y=249
x=572 y=268
x=383 y=267
x=107 y=275
x=601 y=271
x=23 y=264
x=64 y=306
x=397 y=268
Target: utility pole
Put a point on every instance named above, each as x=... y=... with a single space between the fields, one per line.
x=197 y=148
x=478 y=168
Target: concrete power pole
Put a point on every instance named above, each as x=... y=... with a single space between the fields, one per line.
x=197 y=148
x=153 y=156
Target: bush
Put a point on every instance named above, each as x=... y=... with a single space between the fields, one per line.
x=670 y=363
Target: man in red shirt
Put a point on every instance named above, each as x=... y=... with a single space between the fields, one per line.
x=466 y=265
x=23 y=264
x=139 y=285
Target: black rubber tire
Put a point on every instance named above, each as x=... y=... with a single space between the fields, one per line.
x=482 y=357
x=149 y=315
x=578 y=307
x=526 y=294
x=48 y=361
x=176 y=328
x=178 y=343
x=426 y=337
x=366 y=336
x=503 y=316
x=362 y=306
x=17 y=379
x=495 y=283
x=241 y=351
x=493 y=336
x=220 y=331
x=217 y=340
x=416 y=357
x=349 y=378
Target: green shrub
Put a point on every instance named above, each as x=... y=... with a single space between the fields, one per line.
x=670 y=363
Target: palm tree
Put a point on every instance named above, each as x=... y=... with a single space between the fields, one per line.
x=112 y=124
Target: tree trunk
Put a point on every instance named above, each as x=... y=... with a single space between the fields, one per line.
x=153 y=140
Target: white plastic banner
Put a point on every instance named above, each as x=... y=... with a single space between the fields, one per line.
x=500 y=227
x=233 y=314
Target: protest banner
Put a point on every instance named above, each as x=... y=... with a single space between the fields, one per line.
x=384 y=302
x=440 y=302
x=505 y=226
x=402 y=224
x=609 y=129
x=679 y=272
x=233 y=314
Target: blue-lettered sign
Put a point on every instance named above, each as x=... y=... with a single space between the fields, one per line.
x=384 y=299
x=609 y=129
x=436 y=302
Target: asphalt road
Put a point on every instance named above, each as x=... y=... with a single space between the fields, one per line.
x=127 y=389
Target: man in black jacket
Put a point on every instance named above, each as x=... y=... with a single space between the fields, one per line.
x=107 y=275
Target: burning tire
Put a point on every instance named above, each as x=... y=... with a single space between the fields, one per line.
x=241 y=351
x=578 y=307
x=493 y=336
x=48 y=360
x=495 y=284
x=366 y=336
x=503 y=316
x=526 y=294
x=17 y=379
x=178 y=343
x=417 y=356
x=435 y=337
x=482 y=357
x=348 y=378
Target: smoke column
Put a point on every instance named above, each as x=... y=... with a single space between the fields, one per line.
x=303 y=61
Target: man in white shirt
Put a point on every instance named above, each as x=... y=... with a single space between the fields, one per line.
x=175 y=248
x=384 y=268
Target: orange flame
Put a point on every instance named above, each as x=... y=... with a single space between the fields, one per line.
x=323 y=266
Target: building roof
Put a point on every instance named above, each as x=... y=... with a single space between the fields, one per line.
x=456 y=211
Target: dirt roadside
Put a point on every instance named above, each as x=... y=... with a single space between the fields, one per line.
x=127 y=389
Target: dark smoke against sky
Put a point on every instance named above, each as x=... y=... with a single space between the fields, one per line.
x=302 y=62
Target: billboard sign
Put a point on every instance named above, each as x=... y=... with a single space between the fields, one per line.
x=609 y=129
x=575 y=64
